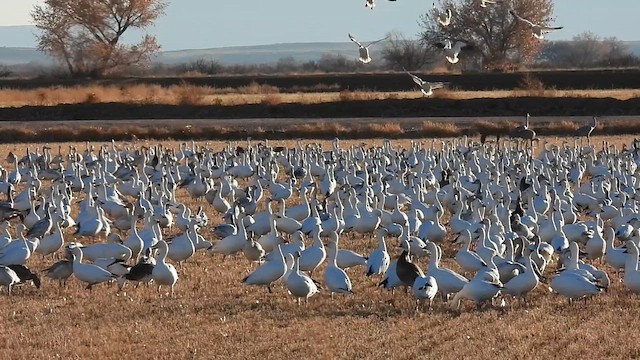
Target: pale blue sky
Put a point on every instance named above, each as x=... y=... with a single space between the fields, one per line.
x=207 y=23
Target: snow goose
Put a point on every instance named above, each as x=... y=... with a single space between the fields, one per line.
x=443 y=18
x=468 y=260
x=364 y=50
x=631 y=274
x=287 y=224
x=303 y=210
x=425 y=288
x=574 y=285
x=8 y=278
x=379 y=259
x=269 y=240
x=314 y=255
x=296 y=245
x=110 y=249
x=520 y=285
x=219 y=203
x=432 y=230
x=452 y=50
x=5 y=235
x=336 y=279
x=370 y=4
x=615 y=257
x=43 y=226
x=133 y=241
x=478 y=290
x=19 y=250
x=346 y=258
x=25 y=275
x=269 y=272
x=449 y=281
x=182 y=246
x=298 y=283
x=51 y=243
x=253 y=251
x=537 y=30
x=164 y=273
x=232 y=243
x=88 y=273
x=426 y=87
x=596 y=245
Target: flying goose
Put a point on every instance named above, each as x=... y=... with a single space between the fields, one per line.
x=537 y=30
x=426 y=87
x=452 y=50
x=443 y=18
x=364 y=50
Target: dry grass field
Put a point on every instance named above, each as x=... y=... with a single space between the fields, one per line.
x=186 y=94
x=212 y=315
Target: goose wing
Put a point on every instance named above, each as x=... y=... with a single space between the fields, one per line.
x=354 y=40
x=444 y=44
x=521 y=18
x=461 y=45
x=549 y=28
x=415 y=79
x=436 y=85
x=377 y=41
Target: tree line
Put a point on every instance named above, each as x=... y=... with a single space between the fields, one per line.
x=85 y=36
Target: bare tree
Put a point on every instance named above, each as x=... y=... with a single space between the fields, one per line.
x=499 y=39
x=86 y=34
x=402 y=53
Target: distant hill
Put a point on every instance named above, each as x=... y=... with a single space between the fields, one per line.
x=17 y=48
x=20 y=56
x=263 y=54
x=241 y=55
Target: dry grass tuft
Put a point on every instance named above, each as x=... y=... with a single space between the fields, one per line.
x=389 y=129
x=439 y=129
x=347 y=95
x=260 y=89
x=271 y=100
x=532 y=86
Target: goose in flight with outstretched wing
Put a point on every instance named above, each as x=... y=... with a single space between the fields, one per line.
x=443 y=18
x=364 y=50
x=426 y=87
x=371 y=3
x=452 y=50
x=537 y=30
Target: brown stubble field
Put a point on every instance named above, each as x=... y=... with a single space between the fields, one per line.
x=212 y=315
x=187 y=94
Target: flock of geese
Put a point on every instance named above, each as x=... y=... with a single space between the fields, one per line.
x=510 y=217
x=451 y=48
